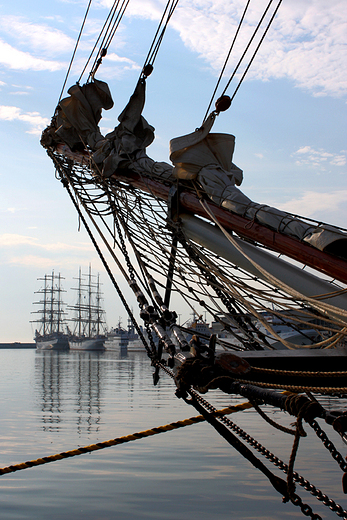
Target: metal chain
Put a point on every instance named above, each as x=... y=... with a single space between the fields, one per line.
x=123 y=246
x=66 y=179
x=336 y=455
x=317 y=493
x=132 y=277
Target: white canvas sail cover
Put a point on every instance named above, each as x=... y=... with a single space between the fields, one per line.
x=125 y=147
x=207 y=158
x=201 y=155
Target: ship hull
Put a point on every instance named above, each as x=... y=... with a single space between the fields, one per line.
x=87 y=344
x=116 y=344
x=52 y=343
x=135 y=345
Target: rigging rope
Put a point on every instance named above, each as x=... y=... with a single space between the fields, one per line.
x=74 y=52
x=121 y=440
x=107 y=33
x=226 y=292
x=158 y=38
x=254 y=54
x=227 y=105
x=226 y=60
x=108 y=37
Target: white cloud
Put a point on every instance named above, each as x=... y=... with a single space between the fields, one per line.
x=306 y=43
x=32 y=260
x=39 y=37
x=61 y=246
x=10 y=240
x=19 y=60
x=151 y=9
x=123 y=64
x=16 y=240
x=23 y=244
x=46 y=263
x=319 y=158
x=121 y=59
x=19 y=93
x=316 y=203
x=34 y=119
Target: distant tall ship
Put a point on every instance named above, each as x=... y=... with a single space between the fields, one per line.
x=50 y=333
x=89 y=317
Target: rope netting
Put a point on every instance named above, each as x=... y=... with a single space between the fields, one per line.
x=247 y=312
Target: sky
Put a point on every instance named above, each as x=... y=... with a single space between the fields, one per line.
x=289 y=118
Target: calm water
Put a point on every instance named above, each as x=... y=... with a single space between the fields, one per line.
x=53 y=402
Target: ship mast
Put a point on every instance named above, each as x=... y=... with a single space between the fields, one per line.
x=89 y=314
x=52 y=313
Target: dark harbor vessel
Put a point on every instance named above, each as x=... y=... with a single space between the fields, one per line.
x=51 y=333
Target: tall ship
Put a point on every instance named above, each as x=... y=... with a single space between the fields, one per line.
x=51 y=332
x=186 y=238
x=89 y=317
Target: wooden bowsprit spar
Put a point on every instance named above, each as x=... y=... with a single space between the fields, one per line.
x=188 y=201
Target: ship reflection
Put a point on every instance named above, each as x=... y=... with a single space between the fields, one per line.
x=72 y=387
x=69 y=383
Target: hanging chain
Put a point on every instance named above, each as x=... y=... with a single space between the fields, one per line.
x=123 y=246
x=336 y=455
x=317 y=493
x=132 y=277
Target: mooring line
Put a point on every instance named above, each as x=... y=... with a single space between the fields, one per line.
x=121 y=440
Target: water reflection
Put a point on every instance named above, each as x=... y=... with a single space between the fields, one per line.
x=56 y=401
x=72 y=386
x=69 y=383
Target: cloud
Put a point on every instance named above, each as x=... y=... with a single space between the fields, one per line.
x=39 y=37
x=19 y=60
x=34 y=119
x=32 y=260
x=121 y=59
x=61 y=246
x=8 y=239
x=46 y=263
x=316 y=203
x=13 y=240
x=306 y=42
x=19 y=93
x=123 y=64
x=152 y=9
x=307 y=155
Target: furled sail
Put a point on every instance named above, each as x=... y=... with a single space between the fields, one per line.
x=207 y=157
x=201 y=156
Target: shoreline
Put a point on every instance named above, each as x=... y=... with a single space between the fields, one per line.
x=17 y=345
